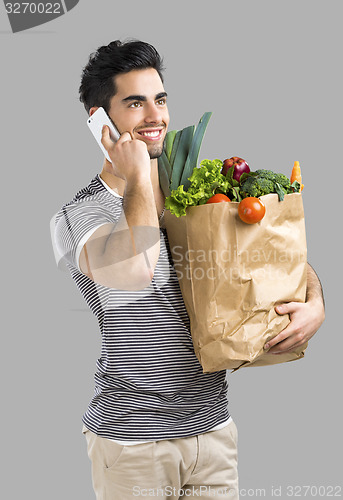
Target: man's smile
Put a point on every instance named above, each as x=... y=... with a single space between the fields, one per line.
x=152 y=134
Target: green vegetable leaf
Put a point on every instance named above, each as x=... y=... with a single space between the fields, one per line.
x=229 y=174
x=164 y=163
x=217 y=187
x=280 y=191
x=164 y=174
x=234 y=194
x=192 y=158
x=245 y=175
x=169 y=141
x=203 y=181
x=181 y=155
x=175 y=147
x=296 y=187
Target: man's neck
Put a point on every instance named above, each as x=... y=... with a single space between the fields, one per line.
x=118 y=184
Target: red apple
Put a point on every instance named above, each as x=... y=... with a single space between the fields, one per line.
x=239 y=164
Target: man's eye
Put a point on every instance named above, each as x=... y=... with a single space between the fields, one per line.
x=162 y=102
x=135 y=104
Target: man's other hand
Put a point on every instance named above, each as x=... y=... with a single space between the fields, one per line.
x=306 y=319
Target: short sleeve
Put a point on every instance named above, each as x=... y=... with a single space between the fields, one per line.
x=76 y=222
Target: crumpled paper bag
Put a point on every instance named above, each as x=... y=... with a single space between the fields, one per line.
x=233 y=274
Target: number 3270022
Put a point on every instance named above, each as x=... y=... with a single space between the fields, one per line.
x=33 y=8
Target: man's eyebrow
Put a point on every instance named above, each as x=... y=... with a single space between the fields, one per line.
x=135 y=98
x=160 y=95
x=138 y=97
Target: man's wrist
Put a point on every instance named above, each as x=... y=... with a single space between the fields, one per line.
x=138 y=183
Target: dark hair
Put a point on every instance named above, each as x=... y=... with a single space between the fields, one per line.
x=98 y=76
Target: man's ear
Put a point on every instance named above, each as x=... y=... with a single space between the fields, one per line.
x=92 y=110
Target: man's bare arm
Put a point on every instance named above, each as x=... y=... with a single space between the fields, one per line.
x=314 y=290
x=124 y=255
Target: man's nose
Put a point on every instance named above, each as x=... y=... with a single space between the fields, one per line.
x=153 y=114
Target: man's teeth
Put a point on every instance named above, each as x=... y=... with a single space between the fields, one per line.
x=151 y=134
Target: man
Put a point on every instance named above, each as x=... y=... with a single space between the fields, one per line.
x=157 y=425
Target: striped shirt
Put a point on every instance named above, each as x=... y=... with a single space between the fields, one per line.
x=149 y=384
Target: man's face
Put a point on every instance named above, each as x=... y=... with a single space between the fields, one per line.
x=140 y=108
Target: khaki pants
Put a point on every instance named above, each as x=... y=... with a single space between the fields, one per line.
x=203 y=466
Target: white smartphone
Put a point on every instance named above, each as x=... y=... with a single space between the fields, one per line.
x=95 y=123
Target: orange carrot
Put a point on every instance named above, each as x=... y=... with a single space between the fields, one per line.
x=296 y=175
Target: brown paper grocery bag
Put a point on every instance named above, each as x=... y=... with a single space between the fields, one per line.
x=233 y=274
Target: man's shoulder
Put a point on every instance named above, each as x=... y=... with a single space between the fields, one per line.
x=93 y=194
x=93 y=189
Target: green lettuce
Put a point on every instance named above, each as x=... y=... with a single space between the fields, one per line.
x=205 y=181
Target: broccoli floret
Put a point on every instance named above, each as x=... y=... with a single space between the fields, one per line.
x=257 y=186
x=266 y=174
x=275 y=177
x=265 y=182
x=283 y=181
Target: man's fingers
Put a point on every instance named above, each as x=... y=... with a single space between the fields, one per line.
x=293 y=335
x=287 y=345
x=125 y=136
x=283 y=346
x=282 y=309
x=106 y=140
x=287 y=308
x=280 y=337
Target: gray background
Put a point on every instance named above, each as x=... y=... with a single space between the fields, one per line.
x=270 y=72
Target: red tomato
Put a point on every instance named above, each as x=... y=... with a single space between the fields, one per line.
x=217 y=198
x=251 y=210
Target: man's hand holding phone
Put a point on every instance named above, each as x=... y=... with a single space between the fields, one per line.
x=130 y=157
x=126 y=157
x=129 y=255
